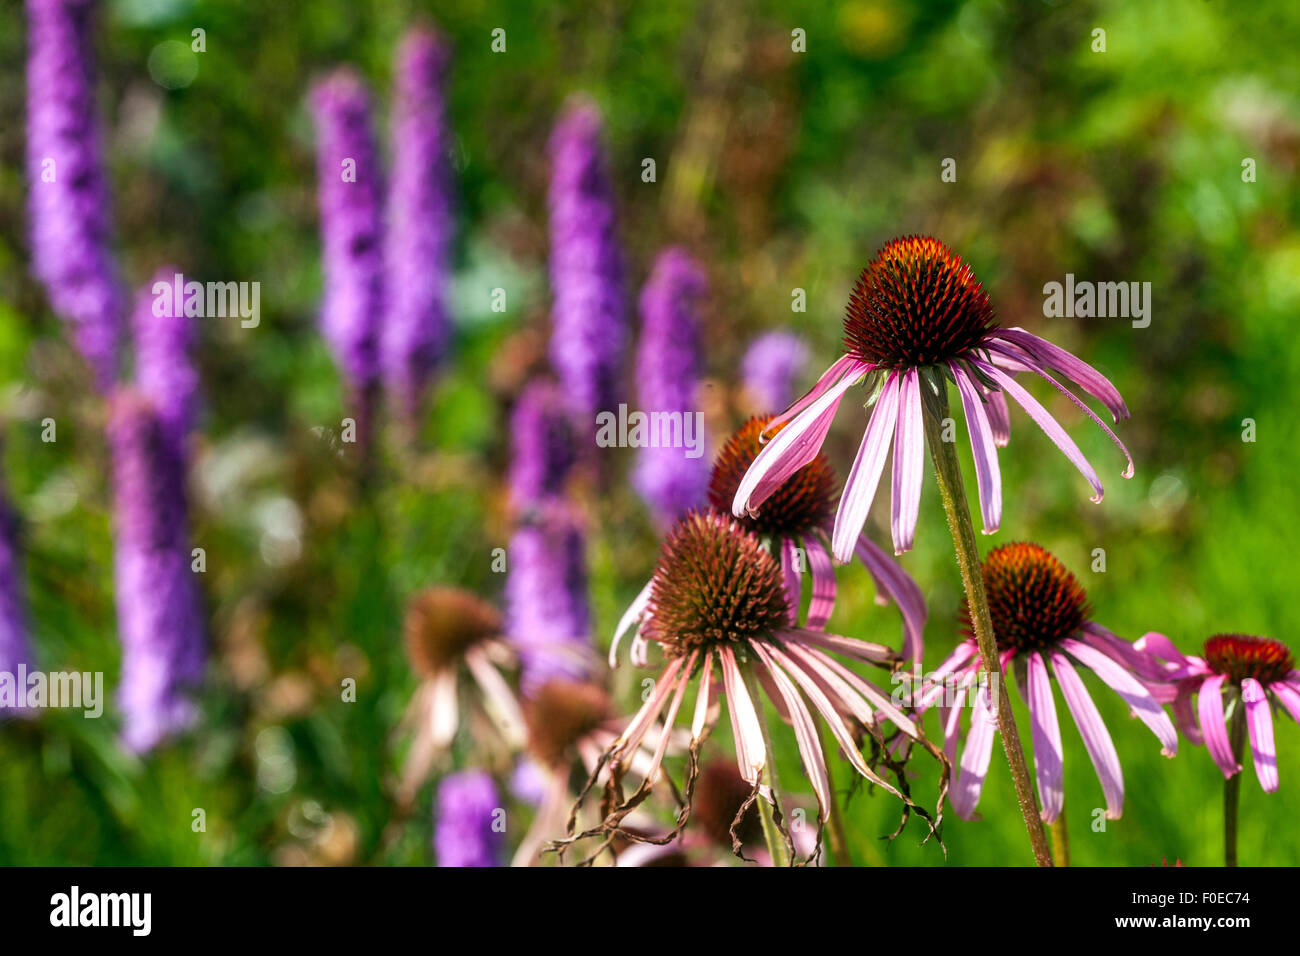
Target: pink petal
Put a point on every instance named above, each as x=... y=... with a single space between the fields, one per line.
x=751 y=753
x=848 y=646
x=703 y=699
x=631 y=616
x=1072 y=367
x=892 y=580
x=974 y=765
x=1289 y=697
x=999 y=418
x=860 y=489
x=1127 y=686
x=987 y=474
x=852 y=688
x=793 y=578
x=1209 y=707
x=823 y=592
x=844 y=365
x=1259 y=721
x=805 y=731
x=909 y=457
x=1049 y=761
x=1095 y=736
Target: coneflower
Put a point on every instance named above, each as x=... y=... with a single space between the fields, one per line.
x=421 y=222
x=164 y=365
x=15 y=647
x=541 y=448
x=589 y=312
x=68 y=195
x=453 y=638
x=469 y=817
x=1041 y=617
x=159 y=616
x=667 y=377
x=548 y=616
x=350 y=194
x=917 y=319
x=1248 y=672
x=770 y=367
x=718 y=596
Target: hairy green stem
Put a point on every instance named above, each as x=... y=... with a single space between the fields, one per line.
x=1232 y=785
x=953 y=492
x=1060 y=840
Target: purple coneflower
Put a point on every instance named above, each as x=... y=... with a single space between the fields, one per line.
x=1040 y=617
x=15 y=647
x=420 y=221
x=587 y=278
x=467 y=832
x=668 y=371
x=450 y=635
x=770 y=367
x=350 y=194
x=719 y=596
x=917 y=317
x=71 y=222
x=1248 y=671
x=159 y=618
x=548 y=618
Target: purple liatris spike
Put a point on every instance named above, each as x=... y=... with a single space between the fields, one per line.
x=769 y=370
x=163 y=336
x=672 y=472
x=350 y=195
x=68 y=193
x=587 y=279
x=159 y=619
x=548 y=619
x=420 y=222
x=15 y=648
x=541 y=445
x=470 y=827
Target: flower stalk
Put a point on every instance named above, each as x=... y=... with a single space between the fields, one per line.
x=934 y=395
x=1232 y=785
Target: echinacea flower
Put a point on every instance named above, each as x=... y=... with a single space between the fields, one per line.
x=350 y=196
x=666 y=476
x=421 y=222
x=469 y=829
x=718 y=596
x=1248 y=671
x=589 y=314
x=795 y=524
x=768 y=371
x=452 y=635
x=1040 y=618
x=916 y=318
x=160 y=621
x=68 y=193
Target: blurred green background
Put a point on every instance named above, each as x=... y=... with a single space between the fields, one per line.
x=779 y=170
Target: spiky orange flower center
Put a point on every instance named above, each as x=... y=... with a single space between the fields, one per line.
x=801 y=505
x=442 y=623
x=916 y=304
x=1241 y=655
x=715 y=584
x=1034 y=601
x=559 y=714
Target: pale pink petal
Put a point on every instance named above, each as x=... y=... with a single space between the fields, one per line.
x=443 y=708
x=1289 y=697
x=1048 y=424
x=937 y=682
x=909 y=457
x=1209 y=707
x=859 y=694
x=1259 y=721
x=844 y=365
x=499 y=700
x=1072 y=367
x=987 y=474
x=860 y=489
x=893 y=581
x=823 y=580
x=848 y=646
x=1049 y=764
x=793 y=579
x=630 y=739
x=1096 y=738
x=999 y=418
x=703 y=699
x=631 y=616
x=805 y=732
x=974 y=766
x=1127 y=686
x=751 y=753
x=682 y=681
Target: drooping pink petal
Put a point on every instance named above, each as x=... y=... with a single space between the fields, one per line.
x=1096 y=738
x=1259 y=721
x=1289 y=697
x=893 y=581
x=703 y=699
x=443 y=711
x=1046 y=422
x=974 y=766
x=848 y=646
x=679 y=690
x=1185 y=717
x=790 y=449
x=805 y=731
x=1072 y=367
x=636 y=729
x=751 y=753
x=844 y=365
x=987 y=474
x=1127 y=686
x=961 y=655
x=1042 y=373
x=823 y=580
x=909 y=456
x=999 y=418
x=631 y=616
x=859 y=694
x=498 y=699
x=793 y=579
x=860 y=489
x=1214 y=728
x=1049 y=758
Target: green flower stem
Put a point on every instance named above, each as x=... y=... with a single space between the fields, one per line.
x=771 y=835
x=1060 y=840
x=1232 y=785
x=952 y=491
